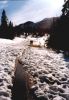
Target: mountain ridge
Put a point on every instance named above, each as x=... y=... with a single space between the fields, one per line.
x=43 y=26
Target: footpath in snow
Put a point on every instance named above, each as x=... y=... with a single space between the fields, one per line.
x=9 y=50
x=49 y=74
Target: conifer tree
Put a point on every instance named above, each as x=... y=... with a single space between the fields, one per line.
x=65 y=10
x=10 y=28
x=4 y=25
x=4 y=19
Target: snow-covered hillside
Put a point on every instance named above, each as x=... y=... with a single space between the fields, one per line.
x=48 y=68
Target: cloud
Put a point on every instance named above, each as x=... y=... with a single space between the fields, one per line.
x=3 y=4
x=35 y=10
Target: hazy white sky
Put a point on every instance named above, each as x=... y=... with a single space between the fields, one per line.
x=20 y=11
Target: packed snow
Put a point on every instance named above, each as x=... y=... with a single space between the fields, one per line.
x=9 y=50
x=50 y=73
x=49 y=69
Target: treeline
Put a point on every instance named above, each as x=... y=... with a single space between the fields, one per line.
x=8 y=31
x=59 y=38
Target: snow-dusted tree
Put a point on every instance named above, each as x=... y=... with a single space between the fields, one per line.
x=65 y=10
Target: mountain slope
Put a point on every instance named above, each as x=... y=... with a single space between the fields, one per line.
x=43 y=26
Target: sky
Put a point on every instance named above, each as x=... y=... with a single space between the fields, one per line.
x=20 y=11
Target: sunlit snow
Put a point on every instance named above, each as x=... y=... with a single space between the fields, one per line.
x=10 y=49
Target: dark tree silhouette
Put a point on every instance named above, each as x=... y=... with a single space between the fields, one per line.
x=4 y=25
x=65 y=10
x=10 y=30
x=6 y=28
x=4 y=19
x=10 y=25
x=59 y=39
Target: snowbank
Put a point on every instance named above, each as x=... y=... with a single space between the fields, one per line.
x=38 y=41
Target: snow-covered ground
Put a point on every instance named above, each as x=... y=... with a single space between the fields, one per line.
x=49 y=69
x=9 y=50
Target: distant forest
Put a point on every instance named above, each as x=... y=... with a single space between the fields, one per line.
x=8 y=31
